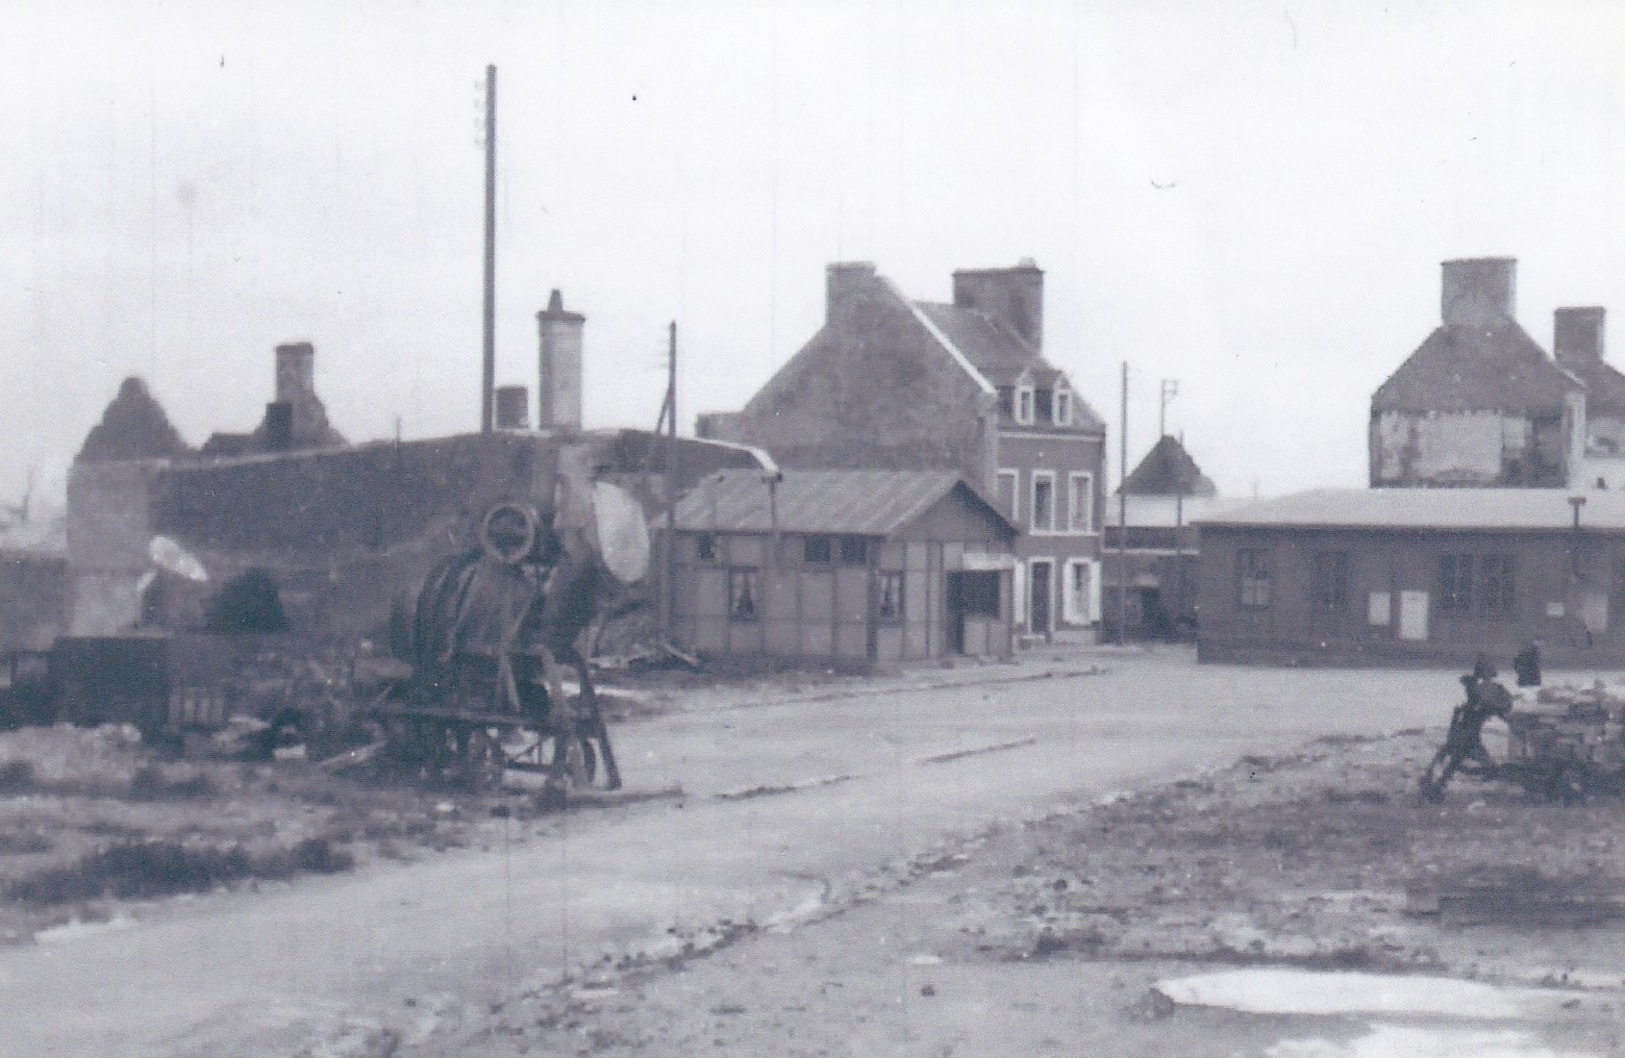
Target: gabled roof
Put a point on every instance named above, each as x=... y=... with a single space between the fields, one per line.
x=1168 y=470
x=1001 y=355
x=134 y=426
x=1605 y=387
x=856 y=502
x=1462 y=368
x=1461 y=509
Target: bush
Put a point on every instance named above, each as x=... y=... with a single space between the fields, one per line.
x=17 y=777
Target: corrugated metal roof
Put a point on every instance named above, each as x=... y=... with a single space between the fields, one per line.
x=856 y=502
x=1529 y=509
x=1461 y=368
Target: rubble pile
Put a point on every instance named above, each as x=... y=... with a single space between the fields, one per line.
x=1571 y=726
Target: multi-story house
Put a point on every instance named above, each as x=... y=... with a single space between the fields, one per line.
x=890 y=382
x=1480 y=403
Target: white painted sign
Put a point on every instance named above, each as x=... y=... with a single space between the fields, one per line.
x=982 y=562
x=1413 y=615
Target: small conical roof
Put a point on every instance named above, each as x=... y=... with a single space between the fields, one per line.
x=134 y=426
x=1168 y=470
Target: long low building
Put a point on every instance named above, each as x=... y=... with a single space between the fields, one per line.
x=1388 y=576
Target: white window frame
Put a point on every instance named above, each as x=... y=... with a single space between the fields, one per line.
x=1080 y=484
x=1091 y=604
x=1039 y=477
x=1018 y=594
x=1025 y=401
x=1063 y=406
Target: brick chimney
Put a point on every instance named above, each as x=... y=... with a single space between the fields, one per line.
x=1577 y=336
x=844 y=281
x=559 y=396
x=1014 y=295
x=513 y=408
x=1478 y=291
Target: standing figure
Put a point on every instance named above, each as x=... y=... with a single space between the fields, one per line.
x=1463 y=748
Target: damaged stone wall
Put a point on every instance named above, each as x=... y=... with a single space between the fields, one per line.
x=1466 y=448
x=347 y=535
x=33 y=599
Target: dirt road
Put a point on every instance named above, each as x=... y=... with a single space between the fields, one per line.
x=781 y=807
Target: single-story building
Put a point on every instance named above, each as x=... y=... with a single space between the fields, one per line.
x=843 y=568
x=1415 y=575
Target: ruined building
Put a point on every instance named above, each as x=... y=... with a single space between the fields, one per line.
x=1480 y=403
x=892 y=383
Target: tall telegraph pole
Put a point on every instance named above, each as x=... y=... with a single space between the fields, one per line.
x=672 y=484
x=488 y=391
x=1122 y=518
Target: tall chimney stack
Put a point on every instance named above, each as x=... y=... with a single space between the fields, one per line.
x=295 y=372
x=513 y=408
x=1577 y=335
x=560 y=364
x=1478 y=291
x=1014 y=295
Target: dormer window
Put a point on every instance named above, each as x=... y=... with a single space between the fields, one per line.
x=1063 y=407
x=1024 y=405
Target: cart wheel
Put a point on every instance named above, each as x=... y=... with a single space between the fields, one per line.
x=484 y=761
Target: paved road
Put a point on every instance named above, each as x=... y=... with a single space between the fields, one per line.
x=875 y=777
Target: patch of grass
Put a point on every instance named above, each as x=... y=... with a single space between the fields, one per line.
x=142 y=870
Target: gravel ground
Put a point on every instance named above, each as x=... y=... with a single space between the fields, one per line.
x=1050 y=937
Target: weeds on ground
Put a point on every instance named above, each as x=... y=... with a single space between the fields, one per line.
x=143 y=870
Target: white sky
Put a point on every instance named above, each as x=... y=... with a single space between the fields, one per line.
x=184 y=186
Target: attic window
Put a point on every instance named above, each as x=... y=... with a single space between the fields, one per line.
x=1024 y=405
x=1007 y=398
x=1063 y=407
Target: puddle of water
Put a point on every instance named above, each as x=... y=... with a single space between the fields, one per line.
x=1288 y=991
x=1399 y=1041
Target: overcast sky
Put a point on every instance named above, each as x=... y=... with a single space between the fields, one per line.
x=1251 y=196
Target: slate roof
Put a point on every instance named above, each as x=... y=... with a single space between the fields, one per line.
x=1168 y=470
x=133 y=426
x=1460 y=368
x=995 y=349
x=1464 y=509
x=1605 y=387
x=855 y=502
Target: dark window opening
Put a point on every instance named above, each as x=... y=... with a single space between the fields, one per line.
x=1253 y=572
x=816 y=550
x=854 y=552
x=1496 y=592
x=247 y=604
x=705 y=547
x=1456 y=585
x=1007 y=401
x=1331 y=582
x=1044 y=401
x=890 y=591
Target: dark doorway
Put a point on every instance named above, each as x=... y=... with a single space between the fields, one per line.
x=970 y=595
x=1042 y=575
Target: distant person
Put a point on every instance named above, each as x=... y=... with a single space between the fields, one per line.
x=1463 y=748
x=1527 y=665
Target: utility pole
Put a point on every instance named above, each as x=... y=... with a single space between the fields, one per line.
x=1170 y=390
x=488 y=389
x=672 y=466
x=1122 y=518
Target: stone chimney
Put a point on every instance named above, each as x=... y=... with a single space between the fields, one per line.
x=513 y=408
x=844 y=282
x=1577 y=336
x=559 y=397
x=1479 y=291
x=295 y=372
x=1014 y=295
